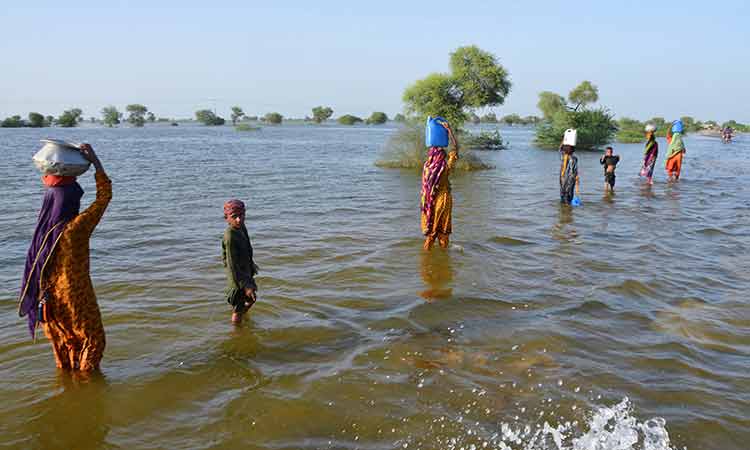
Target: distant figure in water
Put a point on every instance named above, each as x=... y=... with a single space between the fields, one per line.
x=437 y=202
x=569 y=181
x=650 y=154
x=56 y=289
x=237 y=255
x=675 y=151
x=609 y=161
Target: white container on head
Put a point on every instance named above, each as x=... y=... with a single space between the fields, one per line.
x=60 y=158
x=570 y=137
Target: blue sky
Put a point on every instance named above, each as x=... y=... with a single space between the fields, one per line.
x=665 y=58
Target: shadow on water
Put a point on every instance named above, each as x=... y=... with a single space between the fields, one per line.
x=437 y=273
x=77 y=417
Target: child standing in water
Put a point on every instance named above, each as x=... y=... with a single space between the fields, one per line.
x=569 y=181
x=237 y=255
x=609 y=161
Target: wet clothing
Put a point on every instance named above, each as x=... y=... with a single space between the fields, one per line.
x=568 y=177
x=649 y=158
x=237 y=256
x=609 y=163
x=437 y=202
x=72 y=319
x=675 y=153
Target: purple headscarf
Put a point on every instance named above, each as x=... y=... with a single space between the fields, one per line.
x=60 y=205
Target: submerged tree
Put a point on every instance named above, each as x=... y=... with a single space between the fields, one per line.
x=237 y=114
x=111 y=116
x=36 y=120
x=208 y=117
x=12 y=122
x=377 y=118
x=137 y=116
x=273 y=118
x=476 y=80
x=321 y=113
x=595 y=127
x=349 y=119
x=70 y=118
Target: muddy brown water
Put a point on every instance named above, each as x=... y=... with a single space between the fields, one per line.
x=622 y=322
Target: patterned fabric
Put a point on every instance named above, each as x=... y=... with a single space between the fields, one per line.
x=675 y=145
x=437 y=212
x=74 y=322
x=568 y=177
x=60 y=205
x=649 y=158
x=233 y=207
x=432 y=170
x=674 y=165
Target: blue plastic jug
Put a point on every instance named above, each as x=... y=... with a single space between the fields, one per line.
x=576 y=201
x=435 y=134
x=677 y=126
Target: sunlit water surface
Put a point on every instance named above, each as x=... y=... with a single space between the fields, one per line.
x=620 y=324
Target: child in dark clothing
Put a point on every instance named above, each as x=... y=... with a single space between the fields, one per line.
x=609 y=161
x=237 y=255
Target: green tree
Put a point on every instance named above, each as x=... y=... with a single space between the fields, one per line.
x=595 y=127
x=349 y=119
x=531 y=120
x=237 y=114
x=70 y=118
x=476 y=80
x=550 y=104
x=273 y=118
x=208 y=117
x=12 y=122
x=36 y=120
x=584 y=94
x=321 y=114
x=512 y=119
x=400 y=118
x=377 y=118
x=630 y=130
x=111 y=116
x=137 y=116
x=151 y=117
x=489 y=118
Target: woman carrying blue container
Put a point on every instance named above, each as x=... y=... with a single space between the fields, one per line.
x=436 y=203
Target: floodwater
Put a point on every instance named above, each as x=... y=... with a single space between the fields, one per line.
x=624 y=323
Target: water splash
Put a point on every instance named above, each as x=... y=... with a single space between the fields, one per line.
x=608 y=428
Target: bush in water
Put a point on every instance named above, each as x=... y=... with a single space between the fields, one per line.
x=207 y=117
x=405 y=150
x=349 y=119
x=273 y=118
x=377 y=118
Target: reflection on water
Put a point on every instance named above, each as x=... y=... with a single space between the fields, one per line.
x=618 y=324
x=437 y=274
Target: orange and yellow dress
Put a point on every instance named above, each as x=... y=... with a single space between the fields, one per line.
x=73 y=321
x=442 y=208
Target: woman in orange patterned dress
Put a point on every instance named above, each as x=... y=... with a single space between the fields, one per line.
x=436 y=203
x=57 y=290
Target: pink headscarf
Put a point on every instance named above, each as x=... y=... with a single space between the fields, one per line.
x=233 y=207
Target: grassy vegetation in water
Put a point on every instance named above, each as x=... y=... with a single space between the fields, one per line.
x=406 y=150
x=246 y=127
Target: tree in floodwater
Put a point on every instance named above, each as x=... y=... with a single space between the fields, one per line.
x=476 y=80
x=50 y=120
x=321 y=113
x=237 y=114
x=349 y=119
x=137 y=116
x=400 y=118
x=596 y=127
x=36 y=120
x=273 y=118
x=70 y=118
x=151 y=117
x=208 y=117
x=13 y=122
x=377 y=118
x=111 y=116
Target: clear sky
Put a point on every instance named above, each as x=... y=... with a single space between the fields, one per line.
x=667 y=58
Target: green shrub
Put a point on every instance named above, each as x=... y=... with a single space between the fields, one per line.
x=377 y=118
x=406 y=150
x=273 y=118
x=485 y=140
x=630 y=131
x=596 y=127
x=246 y=127
x=349 y=119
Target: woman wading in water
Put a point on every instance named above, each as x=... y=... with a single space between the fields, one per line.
x=650 y=154
x=56 y=289
x=437 y=202
x=675 y=151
